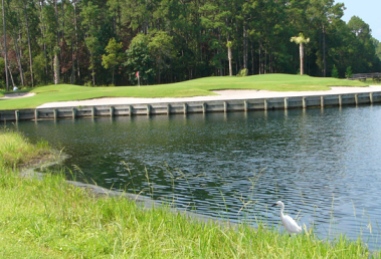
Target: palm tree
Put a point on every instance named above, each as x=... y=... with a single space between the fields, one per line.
x=300 y=40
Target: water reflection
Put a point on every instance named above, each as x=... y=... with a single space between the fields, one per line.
x=323 y=163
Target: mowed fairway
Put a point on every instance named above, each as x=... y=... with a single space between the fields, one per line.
x=196 y=87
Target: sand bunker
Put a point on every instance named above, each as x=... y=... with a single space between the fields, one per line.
x=17 y=95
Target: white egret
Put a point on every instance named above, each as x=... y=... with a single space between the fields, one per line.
x=288 y=222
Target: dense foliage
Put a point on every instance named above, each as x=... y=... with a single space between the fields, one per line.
x=97 y=42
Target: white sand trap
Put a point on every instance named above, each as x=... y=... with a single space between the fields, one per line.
x=17 y=95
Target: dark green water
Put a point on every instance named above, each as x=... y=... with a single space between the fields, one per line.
x=324 y=164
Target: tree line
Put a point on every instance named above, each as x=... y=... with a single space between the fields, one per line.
x=98 y=42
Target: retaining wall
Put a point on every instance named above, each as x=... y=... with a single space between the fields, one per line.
x=225 y=106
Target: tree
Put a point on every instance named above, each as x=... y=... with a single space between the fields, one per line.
x=26 y=17
x=348 y=72
x=378 y=48
x=162 y=51
x=14 y=57
x=67 y=40
x=378 y=53
x=323 y=15
x=49 y=41
x=113 y=58
x=91 y=23
x=300 y=40
x=139 y=59
x=216 y=17
x=50 y=24
x=365 y=55
x=70 y=42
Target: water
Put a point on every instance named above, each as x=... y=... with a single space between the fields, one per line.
x=323 y=164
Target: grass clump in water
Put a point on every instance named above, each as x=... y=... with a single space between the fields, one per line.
x=51 y=218
x=16 y=151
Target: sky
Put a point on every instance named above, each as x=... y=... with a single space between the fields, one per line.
x=368 y=10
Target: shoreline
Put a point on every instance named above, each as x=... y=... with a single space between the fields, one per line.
x=222 y=101
x=221 y=95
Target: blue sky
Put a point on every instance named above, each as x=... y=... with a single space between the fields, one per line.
x=368 y=10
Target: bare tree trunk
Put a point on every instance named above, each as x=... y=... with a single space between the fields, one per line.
x=220 y=68
x=56 y=68
x=324 y=59
x=43 y=30
x=265 y=64
x=252 y=59
x=158 y=76
x=230 y=61
x=5 y=48
x=245 y=47
x=229 y=45
x=56 y=61
x=76 y=45
x=93 y=76
x=78 y=70
x=11 y=77
x=29 y=46
x=72 y=74
x=260 y=62
x=18 y=59
x=301 y=58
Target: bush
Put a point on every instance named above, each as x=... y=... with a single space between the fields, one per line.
x=335 y=72
x=243 y=72
x=348 y=72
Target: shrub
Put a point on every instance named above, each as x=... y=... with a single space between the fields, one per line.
x=243 y=72
x=335 y=72
x=348 y=72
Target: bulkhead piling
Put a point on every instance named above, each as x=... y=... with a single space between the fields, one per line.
x=225 y=106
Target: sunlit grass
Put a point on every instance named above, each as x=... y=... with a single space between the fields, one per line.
x=197 y=87
x=372 y=82
x=52 y=219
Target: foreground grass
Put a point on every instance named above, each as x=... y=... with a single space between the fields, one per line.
x=52 y=219
x=197 y=87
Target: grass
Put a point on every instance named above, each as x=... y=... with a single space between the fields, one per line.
x=197 y=87
x=16 y=152
x=50 y=218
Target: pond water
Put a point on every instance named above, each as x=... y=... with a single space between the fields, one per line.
x=323 y=164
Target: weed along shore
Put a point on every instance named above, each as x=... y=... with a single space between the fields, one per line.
x=51 y=218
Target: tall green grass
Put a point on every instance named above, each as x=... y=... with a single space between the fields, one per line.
x=16 y=151
x=51 y=218
x=197 y=87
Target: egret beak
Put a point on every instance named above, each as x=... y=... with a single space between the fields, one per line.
x=274 y=205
